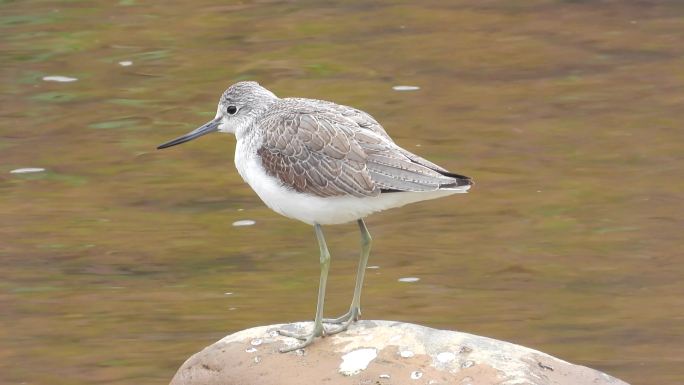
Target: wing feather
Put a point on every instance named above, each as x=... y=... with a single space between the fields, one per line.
x=325 y=149
x=321 y=152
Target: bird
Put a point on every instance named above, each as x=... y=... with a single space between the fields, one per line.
x=322 y=163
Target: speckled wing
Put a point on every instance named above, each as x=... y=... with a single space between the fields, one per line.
x=326 y=149
x=315 y=153
x=362 y=119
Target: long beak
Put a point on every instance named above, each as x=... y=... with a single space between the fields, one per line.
x=196 y=133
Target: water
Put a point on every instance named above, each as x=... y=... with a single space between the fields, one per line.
x=116 y=258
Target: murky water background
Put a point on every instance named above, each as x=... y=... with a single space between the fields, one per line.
x=116 y=260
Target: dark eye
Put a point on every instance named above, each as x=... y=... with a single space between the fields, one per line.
x=231 y=110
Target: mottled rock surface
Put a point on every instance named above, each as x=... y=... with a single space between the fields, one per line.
x=378 y=353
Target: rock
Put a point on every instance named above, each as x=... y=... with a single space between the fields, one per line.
x=378 y=353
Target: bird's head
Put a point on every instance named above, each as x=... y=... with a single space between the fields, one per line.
x=237 y=109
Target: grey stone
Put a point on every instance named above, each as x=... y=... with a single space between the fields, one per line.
x=379 y=353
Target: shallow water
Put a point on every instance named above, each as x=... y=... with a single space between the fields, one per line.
x=117 y=259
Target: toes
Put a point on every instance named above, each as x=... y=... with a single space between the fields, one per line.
x=285 y=333
x=339 y=320
x=290 y=349
x=340 y=329
x=335 y=321
x=304 y=344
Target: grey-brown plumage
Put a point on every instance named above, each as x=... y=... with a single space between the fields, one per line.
x=322 y=163
x=325 y=149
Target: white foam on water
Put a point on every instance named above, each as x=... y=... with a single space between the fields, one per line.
x=27 y=170
x=125 y=63
x=405 y=88
x=244 y=222
x=409 y=279
x=58 y=78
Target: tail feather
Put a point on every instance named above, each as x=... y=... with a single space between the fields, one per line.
x=405 y=171
x=459 y=182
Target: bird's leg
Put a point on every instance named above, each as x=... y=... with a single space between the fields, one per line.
x=355 y=308
x=318 y=321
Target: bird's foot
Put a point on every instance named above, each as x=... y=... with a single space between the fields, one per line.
x=351 y=316
x=343 y=326
x=307 y=338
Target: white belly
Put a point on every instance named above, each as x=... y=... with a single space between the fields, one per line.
x=313 y=209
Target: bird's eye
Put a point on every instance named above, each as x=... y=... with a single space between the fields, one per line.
x=231 y=110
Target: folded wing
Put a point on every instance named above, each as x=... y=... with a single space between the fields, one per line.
x=343 y=151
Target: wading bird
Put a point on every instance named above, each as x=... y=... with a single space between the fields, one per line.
x=322 y=163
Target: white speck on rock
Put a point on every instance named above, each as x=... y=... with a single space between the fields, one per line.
x=57 y=78
x=257 y=342
x=405 y=88
x=273 y=334
x=257 y=359
x=416 y=375
x=384 y=376
x=409 y=279
x=27 y=170
x=244 y=222
x=446 y=357
x=406 y=354
x=357 y=360
x=251 y=350
x=125 y=63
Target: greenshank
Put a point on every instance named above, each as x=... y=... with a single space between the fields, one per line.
x=322 y=163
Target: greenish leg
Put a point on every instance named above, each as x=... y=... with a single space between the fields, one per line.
x=355 y=308
x=318 y=321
